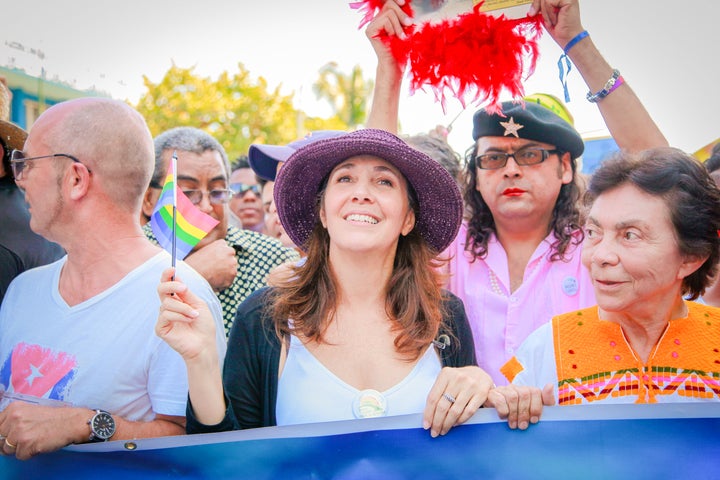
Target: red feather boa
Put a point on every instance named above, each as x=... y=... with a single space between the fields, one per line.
x=474 y=56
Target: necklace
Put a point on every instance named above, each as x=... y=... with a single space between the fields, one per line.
x=495 y=283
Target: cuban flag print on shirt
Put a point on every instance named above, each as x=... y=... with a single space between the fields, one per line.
x=38 y=372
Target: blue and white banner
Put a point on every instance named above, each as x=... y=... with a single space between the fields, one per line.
x=598 y=441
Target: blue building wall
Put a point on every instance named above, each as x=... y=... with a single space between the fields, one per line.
x=17 y=109
x=597 y=150
x=28 y=88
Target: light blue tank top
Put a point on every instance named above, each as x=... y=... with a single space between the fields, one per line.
x=308 y=392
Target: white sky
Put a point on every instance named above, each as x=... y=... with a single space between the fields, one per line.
x=667 y=51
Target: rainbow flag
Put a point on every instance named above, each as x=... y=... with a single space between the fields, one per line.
x=189 y=224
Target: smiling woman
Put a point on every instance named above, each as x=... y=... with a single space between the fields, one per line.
x=651 y=243
x=367 y=206
x=361 y=327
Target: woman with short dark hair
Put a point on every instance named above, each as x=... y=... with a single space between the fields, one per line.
x=651 y=243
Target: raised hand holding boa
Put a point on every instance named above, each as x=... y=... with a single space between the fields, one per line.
x=474 y=56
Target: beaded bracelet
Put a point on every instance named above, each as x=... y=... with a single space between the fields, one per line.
x=613 y=82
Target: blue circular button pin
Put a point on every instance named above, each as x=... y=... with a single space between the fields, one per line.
x=570 y=286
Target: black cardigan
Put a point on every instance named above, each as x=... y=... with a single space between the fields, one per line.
x=250 y=373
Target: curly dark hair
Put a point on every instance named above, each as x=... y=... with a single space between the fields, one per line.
x=565 y=222
x=713 y=163
x=691 y=195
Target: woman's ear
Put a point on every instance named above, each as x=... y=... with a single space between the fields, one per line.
x=690 y=265
x=409 y=223
x=323 y=216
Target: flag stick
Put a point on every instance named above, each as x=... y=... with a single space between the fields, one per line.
x=174 y=205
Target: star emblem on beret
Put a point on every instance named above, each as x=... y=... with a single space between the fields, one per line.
x=511 y=128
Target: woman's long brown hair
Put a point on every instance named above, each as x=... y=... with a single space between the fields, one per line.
x=413 y=302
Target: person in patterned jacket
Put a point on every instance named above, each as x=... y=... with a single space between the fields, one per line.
x=235 y=262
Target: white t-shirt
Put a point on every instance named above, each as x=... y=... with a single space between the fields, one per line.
x=102 y=353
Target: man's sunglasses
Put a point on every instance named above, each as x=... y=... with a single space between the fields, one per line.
x=239 y=189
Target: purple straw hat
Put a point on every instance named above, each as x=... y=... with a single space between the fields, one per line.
x=263 y=159
x=439 y=210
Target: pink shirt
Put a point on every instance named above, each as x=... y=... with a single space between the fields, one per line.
x=501 y=321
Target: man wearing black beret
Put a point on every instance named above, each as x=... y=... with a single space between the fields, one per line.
x=521 y=243
x=516 y=262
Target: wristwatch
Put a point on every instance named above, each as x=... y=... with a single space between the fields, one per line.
x=102 y=426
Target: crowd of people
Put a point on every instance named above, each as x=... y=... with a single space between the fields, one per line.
x=353 y=274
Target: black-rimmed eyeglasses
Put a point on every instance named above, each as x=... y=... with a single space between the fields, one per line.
x=18 y=160
x=523 y=157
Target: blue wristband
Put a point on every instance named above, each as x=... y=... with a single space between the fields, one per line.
x=575 y=40
x=564 y=56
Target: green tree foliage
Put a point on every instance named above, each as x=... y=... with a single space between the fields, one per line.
x=238 y=110
x=347 y=94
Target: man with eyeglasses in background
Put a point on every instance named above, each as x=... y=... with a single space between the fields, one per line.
x=246 y=205
x=235 y=261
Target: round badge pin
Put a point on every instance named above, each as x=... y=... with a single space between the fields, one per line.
x=570 y=286
x=369 y=403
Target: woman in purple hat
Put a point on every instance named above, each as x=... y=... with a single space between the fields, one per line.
x=361 y=328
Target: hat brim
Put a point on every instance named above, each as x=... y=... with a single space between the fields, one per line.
x=535 y=122
x=263 y=159
x=12 y=135
x=439 y=211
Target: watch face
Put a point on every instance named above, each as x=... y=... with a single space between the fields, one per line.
x=103 y=425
